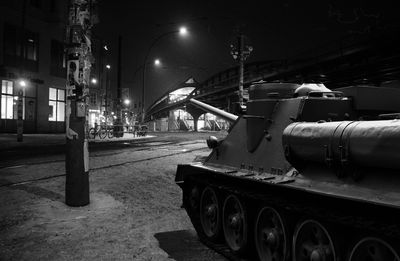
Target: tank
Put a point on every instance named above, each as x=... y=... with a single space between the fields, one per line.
x=305 y=173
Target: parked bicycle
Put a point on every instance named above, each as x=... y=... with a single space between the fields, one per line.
x=102 y=131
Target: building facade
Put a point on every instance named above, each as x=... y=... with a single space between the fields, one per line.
x=32 y=60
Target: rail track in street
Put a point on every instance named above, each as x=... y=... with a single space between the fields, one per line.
x=183 y=151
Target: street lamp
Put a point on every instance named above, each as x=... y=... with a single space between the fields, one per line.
x=94 y=81
x=157 y=62
x=108 y=67
x=183 y=32
x=20 y=107
x=22 y=83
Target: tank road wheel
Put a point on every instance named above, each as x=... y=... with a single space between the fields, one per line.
x=270 y=236
x=194 y=198
x=373 y=249
x=235 y=224
x=210 y=213
x=311 y=241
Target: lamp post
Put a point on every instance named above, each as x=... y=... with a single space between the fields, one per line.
x=20 y=108
x=108 y=68
x=182 y=31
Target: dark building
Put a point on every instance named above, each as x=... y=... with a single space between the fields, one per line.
x=32 y=36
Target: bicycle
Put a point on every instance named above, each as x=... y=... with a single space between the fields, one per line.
x=101 y=131
x=110 y=132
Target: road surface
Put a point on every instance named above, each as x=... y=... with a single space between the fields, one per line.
x=134 y=213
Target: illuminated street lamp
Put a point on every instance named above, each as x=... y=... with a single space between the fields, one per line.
x=22 y=83
x=108 y=67
x=183 y=32
x=157 y=62
x=93 y=80
x=127 y=102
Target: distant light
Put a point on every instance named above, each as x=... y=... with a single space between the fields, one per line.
x=108 y=66
x=30 y=40
x=157 y=62
x=105 y=47
x=115 y=117
x=22 y=83
x=183 y=30
x=112 y=113
x=94 y=80
x=127 y=102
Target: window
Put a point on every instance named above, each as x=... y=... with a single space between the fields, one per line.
x=7 y=100
x=13 y=37
x=31 y=46
x=56 y=104
x=9 y=105
x=57 y=63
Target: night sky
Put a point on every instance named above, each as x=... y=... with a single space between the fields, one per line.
x=280 y=29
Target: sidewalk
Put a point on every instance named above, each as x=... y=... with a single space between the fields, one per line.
x=9 y=141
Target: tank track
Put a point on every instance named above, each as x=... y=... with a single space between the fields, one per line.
x=346 y=224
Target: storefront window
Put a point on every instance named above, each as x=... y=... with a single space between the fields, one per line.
x=7 y=99
x=56 y=104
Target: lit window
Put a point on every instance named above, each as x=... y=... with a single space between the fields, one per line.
x=8 y=101
x=56 y=104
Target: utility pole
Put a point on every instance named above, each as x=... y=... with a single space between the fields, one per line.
x=79 y=59
x=240 y=51
x=118 y=128
x=106 y=92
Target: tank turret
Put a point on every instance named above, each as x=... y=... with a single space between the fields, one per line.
x=306 y=173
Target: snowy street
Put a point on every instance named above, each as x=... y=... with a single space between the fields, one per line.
x=134 y=211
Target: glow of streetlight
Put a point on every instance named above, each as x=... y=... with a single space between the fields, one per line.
x=94 y=80
x=127 y=102
x=183 y=30
x=108 y=66
x=157 y=62
x=22 y=83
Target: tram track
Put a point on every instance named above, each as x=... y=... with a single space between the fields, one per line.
x=8 y=165
x=184 y=151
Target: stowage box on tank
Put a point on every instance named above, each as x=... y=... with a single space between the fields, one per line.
x=304 y=174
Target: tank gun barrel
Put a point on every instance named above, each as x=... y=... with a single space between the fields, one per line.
x=211 y=109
